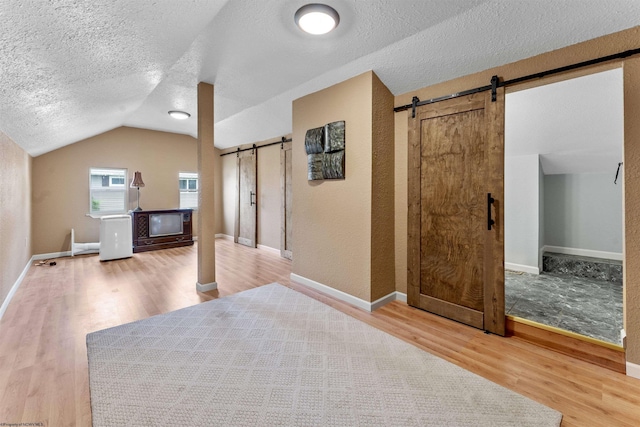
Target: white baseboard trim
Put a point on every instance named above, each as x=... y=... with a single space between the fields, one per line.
x=328 y=290
x=51 y=255
x=269 y=249
x=401 y=296
x=583 y=252
x=523 y=268
x=348 y=298
x=206 y=287
x=633 y=370
x=14 y=288
x=383 y=301
x=224 y=236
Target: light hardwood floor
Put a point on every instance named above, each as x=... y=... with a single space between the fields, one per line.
x=43 y=362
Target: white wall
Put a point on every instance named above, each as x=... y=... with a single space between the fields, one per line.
x=521 y=212
x=583 y=211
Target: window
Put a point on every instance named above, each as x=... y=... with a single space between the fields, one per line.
x=107 y=191
x=188 y=185
x=116 y=181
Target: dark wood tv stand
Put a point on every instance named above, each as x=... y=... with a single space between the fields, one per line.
x=142 y=239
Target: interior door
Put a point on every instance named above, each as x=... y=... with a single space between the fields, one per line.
x=456 y=169
x=246 y=199
x=286 y=229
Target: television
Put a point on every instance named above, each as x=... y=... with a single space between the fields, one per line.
x=165 y=224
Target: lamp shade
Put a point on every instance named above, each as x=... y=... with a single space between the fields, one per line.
x=137 y=182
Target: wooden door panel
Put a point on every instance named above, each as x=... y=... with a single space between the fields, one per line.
x=246 y=199
x=452 y=180
x=453 y=259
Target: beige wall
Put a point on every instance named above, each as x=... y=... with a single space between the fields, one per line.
x=382 y=192
x=607 y=45
x=335 y=241
x=15 y=213
x=269 y=196
x=631 y=233
x=61 y=180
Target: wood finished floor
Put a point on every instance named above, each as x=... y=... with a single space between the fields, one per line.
x=43 y=361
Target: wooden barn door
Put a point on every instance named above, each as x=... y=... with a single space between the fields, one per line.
x=456 y=168
x=246 y=199
x=286 y=228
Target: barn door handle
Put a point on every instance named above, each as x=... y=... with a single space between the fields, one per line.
x=490 y=201
x=251 y=194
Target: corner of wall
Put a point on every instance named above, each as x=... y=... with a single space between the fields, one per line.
x=382 y=191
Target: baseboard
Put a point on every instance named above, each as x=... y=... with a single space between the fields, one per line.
x=345 y=297
x=56 y=255
x=383 y=301
x=14 y=288
x=401 y=297
x=206 y=287
x=583 y=252
x=633 y=370
x=269 y=249
x=224 y=236
x=523 y=268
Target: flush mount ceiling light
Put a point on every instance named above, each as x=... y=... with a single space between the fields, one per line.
x=180 y=115
x=317 y=18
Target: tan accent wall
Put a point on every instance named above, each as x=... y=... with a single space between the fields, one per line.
x=382 y=192
x=61 y=181
x=602 y=46
x=401 y=196
x=343 y=229
x=631 y=203
x=15 y=213
x=269 y=197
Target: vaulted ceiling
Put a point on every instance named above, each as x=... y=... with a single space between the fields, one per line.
x=71 y=69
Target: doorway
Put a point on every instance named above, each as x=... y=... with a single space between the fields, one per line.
x=564 y=205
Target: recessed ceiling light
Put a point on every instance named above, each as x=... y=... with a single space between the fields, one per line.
x=180 y=115
x=317 y=18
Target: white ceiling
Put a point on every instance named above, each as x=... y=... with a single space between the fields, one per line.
x=71 y=69
x=576 y=126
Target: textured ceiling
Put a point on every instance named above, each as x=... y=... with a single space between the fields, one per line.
x=70 y=69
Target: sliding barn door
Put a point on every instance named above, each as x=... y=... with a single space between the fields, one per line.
x=455 y=252
x=246 y=199
x=286 y=228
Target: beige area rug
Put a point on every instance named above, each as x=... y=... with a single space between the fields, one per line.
x=271 y=356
